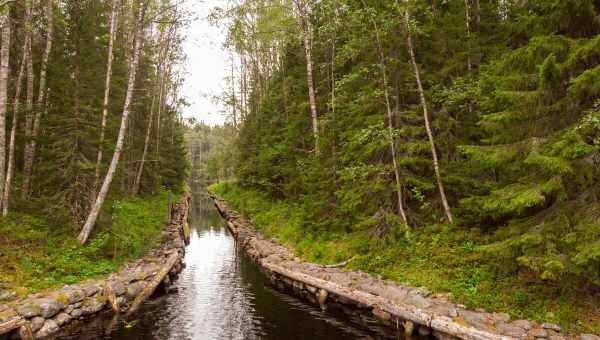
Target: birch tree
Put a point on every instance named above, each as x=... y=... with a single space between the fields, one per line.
x=434 y=155
x=140 y=170
x=304 y=11
x=133 y=66
x=468 y=27
x=4 y=73
x=31 y=145
x=25 y=63
x=390 y=117
x=107 y=85
x=158 y=76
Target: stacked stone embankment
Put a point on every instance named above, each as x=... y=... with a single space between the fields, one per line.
x=379 y=305
x=41 y=315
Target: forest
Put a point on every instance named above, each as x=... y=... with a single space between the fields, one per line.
x=453 y=144
x=92 y=143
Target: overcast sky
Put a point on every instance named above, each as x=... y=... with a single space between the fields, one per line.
x=207 y=63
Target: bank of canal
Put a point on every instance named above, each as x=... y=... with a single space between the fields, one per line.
x=220 y=295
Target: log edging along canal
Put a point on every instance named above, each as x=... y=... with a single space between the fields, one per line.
x=382 y=306
x=41 y=315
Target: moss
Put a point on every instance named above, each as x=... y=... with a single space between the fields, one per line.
x=62 y=298
x=7 y=314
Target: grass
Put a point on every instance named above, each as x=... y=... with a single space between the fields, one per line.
x=441 y=259
x=36 y=255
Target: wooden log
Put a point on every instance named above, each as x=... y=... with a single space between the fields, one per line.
x=111 y=297
x=25 y=332
x=447 y=325
x=11 y=324
x=349 y=293
x=411 y=313
x=151 y=287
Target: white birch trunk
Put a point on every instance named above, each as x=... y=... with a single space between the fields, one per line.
x=162 y=94
x=434 y=155
x=105 y=102
x=30 y=154
x=243 y=88
x=307 y=31
x=477 y=14
x=390 y=116
x=164 y=72
x=468 y=27
x=4 y=72
x=29 y=111
x=97 y=206
x=233 y=97
x=159 y=114
x=16 y=107
x=140 y=170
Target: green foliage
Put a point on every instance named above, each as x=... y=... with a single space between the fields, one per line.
x=37 y=255
x=513 y=105
x=586 y=86
x=549 y=73
x=463 y=263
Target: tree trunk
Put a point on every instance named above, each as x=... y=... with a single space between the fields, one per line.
x=390 y=116
x=30 y=151
x=333 y=47
x=163 y=73
x=477 y=14
x=29 y=111
x=161 y=104
x=153 y=284
x=468 y=27
x=140 y=170
x=95 y=210
x=4 y=71
x=434 y=155
x=243 y=88
x=307 y=31
x=16 y=107
x=233 y=97
x=109 y=65
x=161 y=91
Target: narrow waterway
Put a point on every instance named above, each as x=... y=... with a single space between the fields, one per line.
x=221 y=295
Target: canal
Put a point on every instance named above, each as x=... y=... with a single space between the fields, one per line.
x=220 y=295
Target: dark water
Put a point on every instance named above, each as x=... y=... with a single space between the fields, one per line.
x=221 y=295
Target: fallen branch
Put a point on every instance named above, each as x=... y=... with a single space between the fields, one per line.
x=158 y=278
x=338 y=265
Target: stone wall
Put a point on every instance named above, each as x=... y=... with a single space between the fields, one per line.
x=41 y=315
x=378 y=305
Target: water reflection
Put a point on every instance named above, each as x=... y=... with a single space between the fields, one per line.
x=221 y=295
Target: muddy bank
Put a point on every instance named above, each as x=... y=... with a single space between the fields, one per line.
x=45 y=314
x=381 y=306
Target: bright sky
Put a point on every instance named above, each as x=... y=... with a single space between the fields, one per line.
x=207 y=63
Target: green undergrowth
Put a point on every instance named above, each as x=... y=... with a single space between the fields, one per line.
x=443 y=259
x=36 y=254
